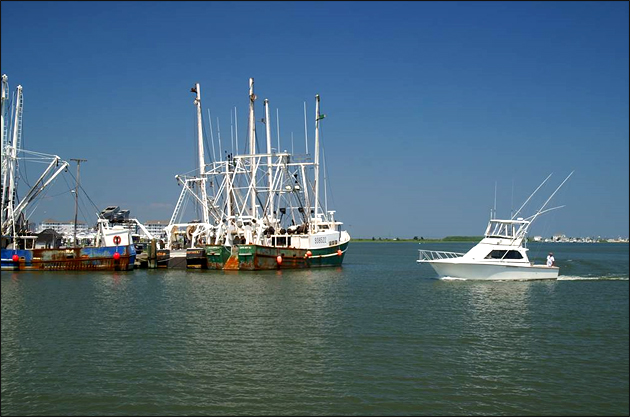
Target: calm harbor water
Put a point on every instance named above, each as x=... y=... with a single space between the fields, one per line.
x=379 y=336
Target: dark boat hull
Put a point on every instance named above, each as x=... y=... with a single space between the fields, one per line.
x=259 y=257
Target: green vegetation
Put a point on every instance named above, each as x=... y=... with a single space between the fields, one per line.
x=421 y=239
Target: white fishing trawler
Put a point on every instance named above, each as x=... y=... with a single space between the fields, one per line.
x=500 y=255
x=258 y=210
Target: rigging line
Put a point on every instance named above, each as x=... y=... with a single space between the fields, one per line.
x=212 y=136
x=326 y=185
x=326 y=175
x=40 y=198
x=22 y=169
x=81 y=189
x=62 y=193
x=214 y=155
x=82 y=210
x=206 y=147
x=80 y=200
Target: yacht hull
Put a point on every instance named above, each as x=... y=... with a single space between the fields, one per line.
x=478 y=271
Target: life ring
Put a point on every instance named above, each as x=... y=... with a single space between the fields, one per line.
x=117 y=240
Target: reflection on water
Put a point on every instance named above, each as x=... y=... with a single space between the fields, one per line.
x=378 y=336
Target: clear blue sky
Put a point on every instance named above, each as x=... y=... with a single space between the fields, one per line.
x=428 y=104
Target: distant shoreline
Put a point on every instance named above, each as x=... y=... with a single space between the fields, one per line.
x=460 y=239
x=447 y=239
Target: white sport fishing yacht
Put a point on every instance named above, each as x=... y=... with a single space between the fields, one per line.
x=500 y=255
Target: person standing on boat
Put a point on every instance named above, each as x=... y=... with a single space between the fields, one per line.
x=550 y=259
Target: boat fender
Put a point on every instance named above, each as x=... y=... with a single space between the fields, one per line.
x=308 y=254
x=15 y=258
x=116 y=256
x=339 y=252
x=279 y=259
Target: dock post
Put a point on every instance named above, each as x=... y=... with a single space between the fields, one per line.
x=152 y=254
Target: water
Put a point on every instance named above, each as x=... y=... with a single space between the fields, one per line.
x=379 y=336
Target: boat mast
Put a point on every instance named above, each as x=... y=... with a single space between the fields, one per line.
x=5 y=88
x=3 y=128
x=76 y=198
x=252 y=143
x=268 y=131
x=316 y=161
x=202 y=164
x=10 y=165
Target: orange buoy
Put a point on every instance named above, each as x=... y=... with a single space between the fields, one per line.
x=279 y=260
x=116 y=256
x=308 y=254
x=339 y=252
x=15 y=258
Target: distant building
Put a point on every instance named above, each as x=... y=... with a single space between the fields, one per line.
x=559 y=237
x=65 y=228
x=156 y=227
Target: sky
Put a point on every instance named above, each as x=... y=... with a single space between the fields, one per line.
x=435 y=110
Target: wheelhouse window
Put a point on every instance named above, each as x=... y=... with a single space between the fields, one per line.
x=502 y=254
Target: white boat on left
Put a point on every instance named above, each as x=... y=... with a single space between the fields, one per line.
x=500 y=255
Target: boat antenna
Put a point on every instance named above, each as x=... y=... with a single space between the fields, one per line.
x=305 y=129
x=236 y=129
x=528 y=198
x=540 y=210
x=512 y=200
x=495 y=200
x=232 y=130
x=219 y=137
x=278 y=128
x=76 y=197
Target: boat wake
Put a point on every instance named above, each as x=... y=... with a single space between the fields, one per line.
x=604 y=278
x=560 y=278
x=453 y=279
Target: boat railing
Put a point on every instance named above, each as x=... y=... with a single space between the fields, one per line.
x=433 y=255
